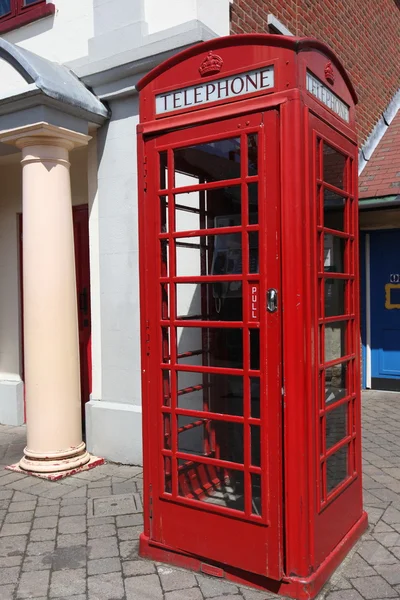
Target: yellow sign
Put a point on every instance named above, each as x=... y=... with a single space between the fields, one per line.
x=388 y=289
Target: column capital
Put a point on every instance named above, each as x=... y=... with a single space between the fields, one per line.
x=43 y=134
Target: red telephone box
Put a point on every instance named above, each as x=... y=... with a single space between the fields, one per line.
x=250 y=316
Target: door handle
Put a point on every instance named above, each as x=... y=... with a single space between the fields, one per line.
x=272 y=300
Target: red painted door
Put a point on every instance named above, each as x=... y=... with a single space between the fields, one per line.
x=81 y=239
x=212 y=378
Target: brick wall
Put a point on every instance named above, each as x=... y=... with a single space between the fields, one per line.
x=365 y=35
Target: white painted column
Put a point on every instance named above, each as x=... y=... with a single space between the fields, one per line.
x=51 y=346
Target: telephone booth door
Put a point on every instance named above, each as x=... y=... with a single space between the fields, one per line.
x=214 y=328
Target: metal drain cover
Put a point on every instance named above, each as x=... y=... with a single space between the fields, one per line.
x=110 y=506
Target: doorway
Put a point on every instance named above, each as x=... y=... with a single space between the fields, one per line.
x=80 y=217
x=382 y=309
x=214 y=353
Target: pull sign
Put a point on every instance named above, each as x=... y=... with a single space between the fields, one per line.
x=254 y=302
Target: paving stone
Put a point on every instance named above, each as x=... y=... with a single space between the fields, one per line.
x=390 y=572
x=72 y=525
x=100 y=483
x=6 y=494
x=374 y=587
x=43 y=535
x=78 y=597
x=47 y=511
x=45 y=522
x=9 y=529
x=174 y=579
x=388 y=539
x=19 y=517
x=33 y=584
x=138 y=567
x=215 y=587
x=250 y=594
x=103 y=565
x=9 y=575
x=129 y=520
x=99 y=492
x=73 y=510
x=105 y=587
x=48 y=502
x=68 y=501
x=143 y=586
x=7 y=592
x=190 y=594
x=40 y=548
x=375 y=554
x=68 y=583
x=13 y=545
x=344 y=595
x=129 y=533
x=70 y=539
x=38 y=563
x=116 y=505
x=100 y=521
x=10 y=561
x=129 y=550
x=22 y=506
x=69 y=558
x=103 y=548
x=100 y=531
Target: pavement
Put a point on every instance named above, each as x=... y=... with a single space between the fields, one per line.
x=77 y=538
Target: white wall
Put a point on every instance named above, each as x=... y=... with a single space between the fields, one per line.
x=62 y=37
x=161 y=15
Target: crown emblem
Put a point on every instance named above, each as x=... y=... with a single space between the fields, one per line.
x=211 y=65
x=329 y=74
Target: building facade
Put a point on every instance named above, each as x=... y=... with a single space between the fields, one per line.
x=69 y=70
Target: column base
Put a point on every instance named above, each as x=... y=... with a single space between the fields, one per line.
x=54 y=462
x=94 y=461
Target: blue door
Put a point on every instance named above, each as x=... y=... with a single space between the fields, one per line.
x=385 y=309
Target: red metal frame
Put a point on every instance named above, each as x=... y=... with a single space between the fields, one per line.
x=305 y=530
x=20 y=14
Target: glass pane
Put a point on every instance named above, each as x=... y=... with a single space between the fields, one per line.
x=255 y=397
x=164 y=301
x=166 y=387
x=336 y=425
x=163 y=171
x=213 y=485
x=164 y=228
x=334 y=253
x=218 y=393
x=208 y=208
x=252 y=145
x=212 y=161
x=167 y=475
x=335 y=340
x=167 y=431
x=164 y=258
x=211 y=255
x=253 y=252
x=334 y=206
x=214 y=439
x=255 y=446
x=256 y=494
x=166 y=350
x=334 y=167
x=334 y=297
x=216 y=301
x=254 y=349
x=214 y=347
x=336 y=383
x=253 y=203
x=28 y=2
x=336 y=469
x=5 y=7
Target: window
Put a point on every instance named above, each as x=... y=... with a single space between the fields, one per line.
x=15 y=13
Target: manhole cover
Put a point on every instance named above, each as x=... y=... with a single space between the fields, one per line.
x=123 y=504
